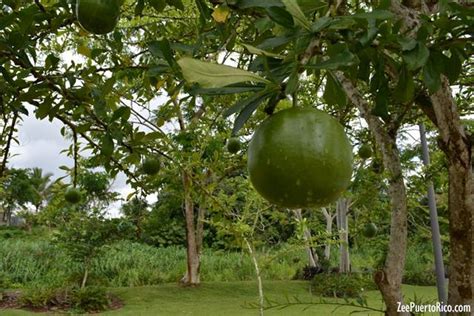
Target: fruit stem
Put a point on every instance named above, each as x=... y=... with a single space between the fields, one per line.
x=295 y=100
x=75 y=158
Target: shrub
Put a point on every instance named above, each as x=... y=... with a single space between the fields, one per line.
x=12 y=232
x=342 y=285
x=419 y=266
x=307 y=273
x=43 y=296
x=90 y=299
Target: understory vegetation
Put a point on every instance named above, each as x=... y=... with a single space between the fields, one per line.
x=33 y=258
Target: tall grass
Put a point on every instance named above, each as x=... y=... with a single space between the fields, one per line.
x=28 y=261
x=130 y=264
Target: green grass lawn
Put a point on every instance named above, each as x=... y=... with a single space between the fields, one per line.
x=233 y=298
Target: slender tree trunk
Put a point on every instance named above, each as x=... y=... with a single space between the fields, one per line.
x=457 y=148
x=11 y=132
x=329 y=220
x=342 y=208
x=435 y=233
x=312 y=256
x=259 y=277
x=193 y=263
x=388 y=279
x=86 y=274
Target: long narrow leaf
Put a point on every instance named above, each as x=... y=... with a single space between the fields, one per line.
x=298 y=15
x=210 y=75
x=239 y=88
x=247 y=112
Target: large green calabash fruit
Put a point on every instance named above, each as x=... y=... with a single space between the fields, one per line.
x=98 y=16
x=300 y=157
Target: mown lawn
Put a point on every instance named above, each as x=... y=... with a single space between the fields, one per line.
x=233 y=298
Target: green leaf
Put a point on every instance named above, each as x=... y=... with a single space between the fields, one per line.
x=244 y=102
x=416 y=57
x=453 y=67
x=292 y=84
x=371 y=33
x=83 y=128
x=122 y=112
x=407 y=43
x=233 y=89
x=309 y=6
x=158 y=5
x=107 y=145
x=274 y=42
x=432 y=74
x=139 y=7
x=375 y=14
x=210 y=75
x=247 y=112
x=321 y=24
x=344 y=58
x=178 y=4
x=281 y=16
x=51 y=62
x=405 y=89
x=44 y=108
x=108 y=86
x=245 y=4
x=381 y=101
x=333 y=92
x=204 y=11
x=342 y=23
x=162 y=49
x=298 y=15
x=257 y=51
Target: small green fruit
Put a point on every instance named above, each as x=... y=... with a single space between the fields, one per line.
x=151 y=166
x=73 y=196
x=370 y=230
x=233 y=145
x=98 y=16
x=365 y=152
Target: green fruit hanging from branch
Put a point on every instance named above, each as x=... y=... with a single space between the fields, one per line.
x=370 y=230
x=233 y=145
x=151 y=166
x=98 y=16
x=365 y=152
x=300 y=157
x=73 y=196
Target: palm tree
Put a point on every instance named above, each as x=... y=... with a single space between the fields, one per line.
x=41 y=184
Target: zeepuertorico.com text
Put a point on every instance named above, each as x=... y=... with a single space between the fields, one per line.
x=432 y=308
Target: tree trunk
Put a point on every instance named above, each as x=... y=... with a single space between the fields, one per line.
x=193 y=262
x=342 y=208
x=200 y=229
x=329 y=220
x=389 y=278
x=457 y=148
x=312 y=256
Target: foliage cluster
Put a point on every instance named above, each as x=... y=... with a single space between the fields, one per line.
x=342 y=285
x=89 y=299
